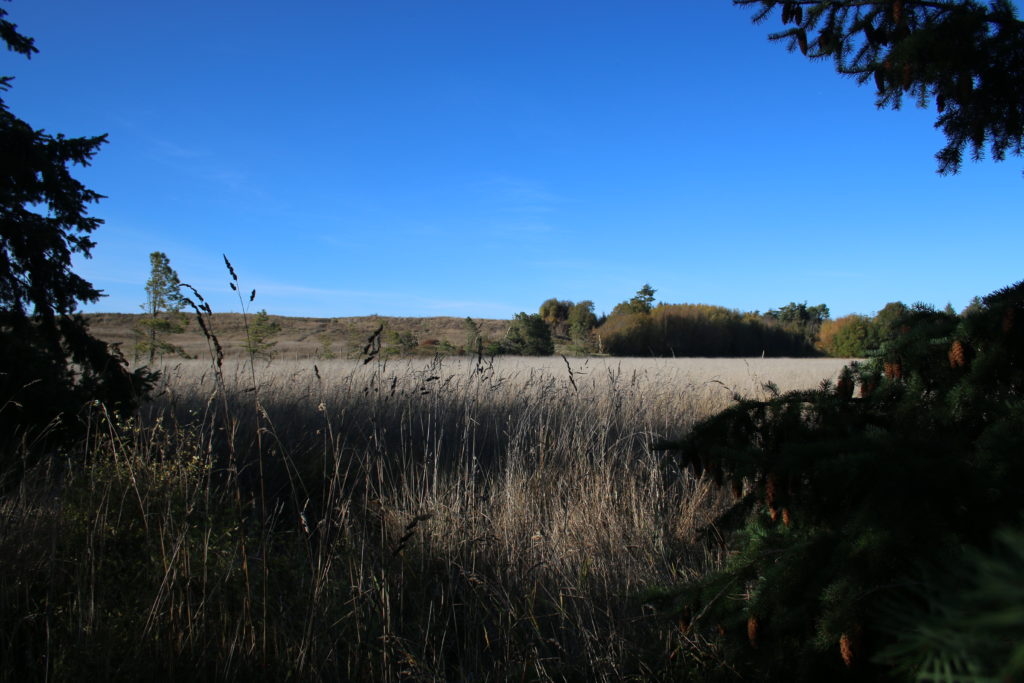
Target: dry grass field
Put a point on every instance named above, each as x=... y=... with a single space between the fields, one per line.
x=422 y=520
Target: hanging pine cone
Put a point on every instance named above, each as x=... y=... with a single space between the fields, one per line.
x=787 y=518
x=850 y=646
x=753 y=631
x=957 y=355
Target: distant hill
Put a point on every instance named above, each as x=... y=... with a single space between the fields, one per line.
x=304 y=337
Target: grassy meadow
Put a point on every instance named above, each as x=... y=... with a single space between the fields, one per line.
x=447 y=519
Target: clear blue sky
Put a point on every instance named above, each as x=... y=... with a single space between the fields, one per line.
x=442 y=157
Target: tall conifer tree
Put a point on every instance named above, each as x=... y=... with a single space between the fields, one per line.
x=49 y=363
x=162 y=309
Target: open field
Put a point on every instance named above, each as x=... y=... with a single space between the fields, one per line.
x=424 y=520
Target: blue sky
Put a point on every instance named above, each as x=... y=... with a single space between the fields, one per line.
x=442 y=157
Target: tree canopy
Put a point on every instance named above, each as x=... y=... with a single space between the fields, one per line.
x=50 y=362
x=163 y=309
x=529 y=335
x=966 y=56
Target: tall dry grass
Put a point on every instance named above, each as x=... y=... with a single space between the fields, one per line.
x=445 y=520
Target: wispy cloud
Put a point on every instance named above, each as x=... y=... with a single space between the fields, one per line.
x=519 y=195
x=166 y=148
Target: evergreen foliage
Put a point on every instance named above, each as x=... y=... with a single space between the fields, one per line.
x=841 y=500
x=529 y=335
x=50 y=366
x=164 y=302
x=259 y=333
x=801 y=319
x=964 y=620
x=967 y=55
x=642 y=302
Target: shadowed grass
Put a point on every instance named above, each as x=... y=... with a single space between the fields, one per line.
x=432 y=521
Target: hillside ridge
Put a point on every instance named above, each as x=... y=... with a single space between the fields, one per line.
x=301 y=337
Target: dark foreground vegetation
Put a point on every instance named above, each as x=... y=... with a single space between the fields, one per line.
x=877 y=528
x=435 y=526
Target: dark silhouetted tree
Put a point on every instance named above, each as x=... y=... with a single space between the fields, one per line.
x=51 y=365
x=966 y=56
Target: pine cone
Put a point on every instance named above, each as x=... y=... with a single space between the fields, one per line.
x=787 y=518
x=957 y=355
x=850 y=646
x=753 y=631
